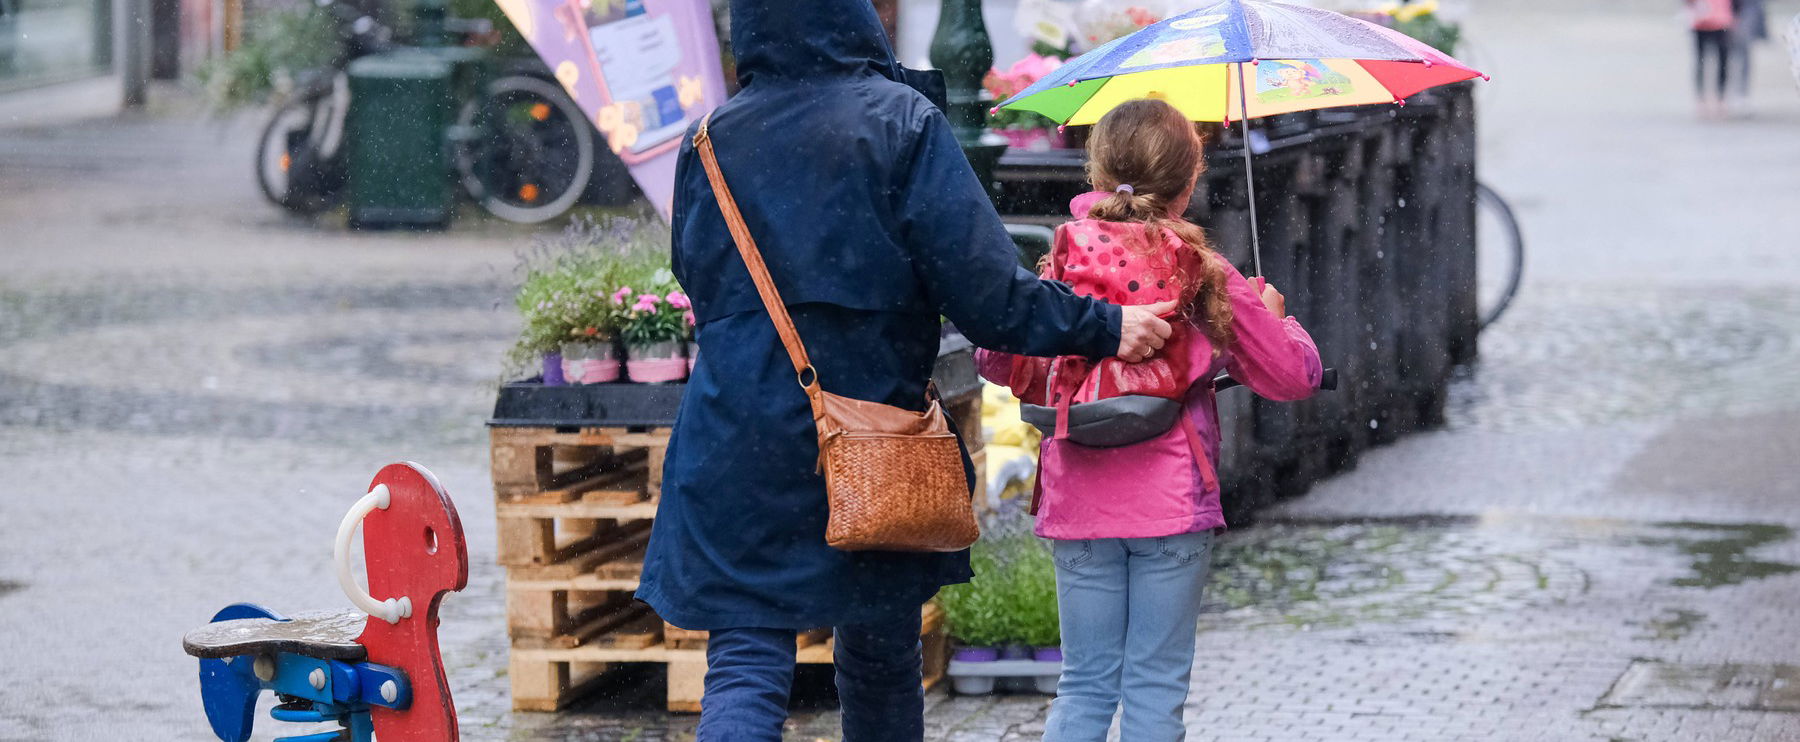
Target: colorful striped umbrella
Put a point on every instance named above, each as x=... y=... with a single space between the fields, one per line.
x=1291 y=58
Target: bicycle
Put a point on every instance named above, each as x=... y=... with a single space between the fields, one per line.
x=522 y=149
x=1497 y=272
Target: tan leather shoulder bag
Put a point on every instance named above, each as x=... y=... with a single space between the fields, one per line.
x=894 y=478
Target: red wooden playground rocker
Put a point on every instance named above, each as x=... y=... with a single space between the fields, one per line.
x=375 y=671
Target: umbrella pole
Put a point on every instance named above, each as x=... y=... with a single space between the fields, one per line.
x=1249 y=177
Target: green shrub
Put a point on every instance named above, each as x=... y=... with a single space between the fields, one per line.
x=1011 y=599
x=279 y=44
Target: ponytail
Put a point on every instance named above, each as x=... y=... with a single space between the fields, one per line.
x=1149 y=155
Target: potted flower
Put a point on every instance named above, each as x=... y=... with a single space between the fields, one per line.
x=565 y=297
x=566 y=324
x=655 y=331
x=680 y=301
x=1022 y=129
x=589 y=355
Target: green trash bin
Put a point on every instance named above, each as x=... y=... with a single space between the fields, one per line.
x=401 y=103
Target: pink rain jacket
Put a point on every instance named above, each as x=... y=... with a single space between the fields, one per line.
x=1159 y=487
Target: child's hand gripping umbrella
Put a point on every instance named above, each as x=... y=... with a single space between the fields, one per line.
x=1292 y=58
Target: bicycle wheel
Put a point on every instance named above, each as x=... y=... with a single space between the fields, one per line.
x=527 y=151
x=1500 y=251
x=298 y=162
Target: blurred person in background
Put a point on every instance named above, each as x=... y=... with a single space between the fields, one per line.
x=1749 y=25
x=1712 y=21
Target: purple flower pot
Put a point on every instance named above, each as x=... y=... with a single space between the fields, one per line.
x=1015 y=652
x=976 y=654
x=553 y=375
x=1047 y=654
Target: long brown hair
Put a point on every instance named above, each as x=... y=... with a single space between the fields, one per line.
x=1150 y=146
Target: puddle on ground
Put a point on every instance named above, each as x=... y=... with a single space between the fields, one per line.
x=1325 y=574
x=1672 y=624
x=1721 y=551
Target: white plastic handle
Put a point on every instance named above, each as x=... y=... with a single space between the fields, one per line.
x=390 y=610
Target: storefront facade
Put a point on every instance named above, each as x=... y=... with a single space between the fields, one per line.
x=50 y=41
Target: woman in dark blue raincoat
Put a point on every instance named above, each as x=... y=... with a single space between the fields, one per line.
x=872 y=225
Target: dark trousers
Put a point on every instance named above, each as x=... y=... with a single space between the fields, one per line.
x=1718 y=46
x=751 y=671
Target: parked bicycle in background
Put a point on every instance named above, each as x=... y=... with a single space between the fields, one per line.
x=518 y=145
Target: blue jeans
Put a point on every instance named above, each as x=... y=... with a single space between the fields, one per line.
x=1129 y=608
x=750 y=672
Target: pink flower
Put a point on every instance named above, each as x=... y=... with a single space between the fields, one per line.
x=678 y=300
x=646 y=303
x=689 y=315
x=1031 y=69
x=621 y=295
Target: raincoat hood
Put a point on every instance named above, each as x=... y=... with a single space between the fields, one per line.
x=799 y=39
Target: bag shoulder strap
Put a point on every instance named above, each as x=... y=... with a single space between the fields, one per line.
x=1059 y=249
x=759 y=271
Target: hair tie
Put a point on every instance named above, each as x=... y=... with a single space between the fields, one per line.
x=1125 y=188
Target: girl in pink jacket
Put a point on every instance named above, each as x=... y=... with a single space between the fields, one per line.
x=1132 y=526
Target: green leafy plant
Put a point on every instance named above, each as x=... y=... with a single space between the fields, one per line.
x=1011 y=599
x=1431 y=29
x=280 y=43
x=1419 y=19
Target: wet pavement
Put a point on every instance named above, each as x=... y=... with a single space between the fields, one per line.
x=1599 y=545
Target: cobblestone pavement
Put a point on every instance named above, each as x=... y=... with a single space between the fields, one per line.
x=1597 y=546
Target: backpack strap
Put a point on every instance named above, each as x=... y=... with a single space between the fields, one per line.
x=1059 y=251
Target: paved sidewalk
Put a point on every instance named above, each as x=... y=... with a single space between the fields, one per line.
x=1599 y=546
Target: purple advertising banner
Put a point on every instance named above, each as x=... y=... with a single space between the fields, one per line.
x=641 y=70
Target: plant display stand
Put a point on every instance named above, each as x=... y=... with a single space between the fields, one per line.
x=574 y=499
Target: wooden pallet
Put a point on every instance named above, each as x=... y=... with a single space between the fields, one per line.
x=547 y=678
x=558 y=464
x=574 y=508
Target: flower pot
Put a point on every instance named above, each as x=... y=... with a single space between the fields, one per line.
x=976 y=654
x=973 y=685
x=553 y=375
x=589 y=363
x=1033 y=140
x=981 y=670
x=693 y=355
x=1047 y=654
x=651 y=363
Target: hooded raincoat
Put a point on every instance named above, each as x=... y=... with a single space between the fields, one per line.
x=872 y=225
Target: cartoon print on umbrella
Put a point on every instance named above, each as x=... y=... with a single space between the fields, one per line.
x=1296 y=79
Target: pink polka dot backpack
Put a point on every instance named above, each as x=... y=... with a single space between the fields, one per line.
x=1114 y=262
